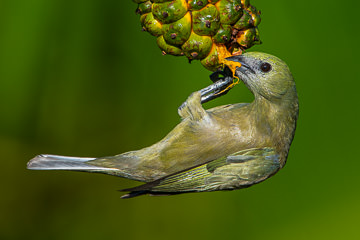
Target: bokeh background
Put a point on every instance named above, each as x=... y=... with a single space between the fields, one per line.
x=78 y=77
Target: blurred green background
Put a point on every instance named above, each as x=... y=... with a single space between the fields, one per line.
x=78 y=77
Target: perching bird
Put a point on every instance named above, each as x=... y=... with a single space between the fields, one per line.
x=223 y=148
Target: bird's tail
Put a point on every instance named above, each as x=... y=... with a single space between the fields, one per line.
x=55 y=162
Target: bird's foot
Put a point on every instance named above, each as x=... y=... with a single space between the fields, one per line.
x=192 y=108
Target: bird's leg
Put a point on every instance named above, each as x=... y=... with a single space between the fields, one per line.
x=216 y=89
x=223 y=81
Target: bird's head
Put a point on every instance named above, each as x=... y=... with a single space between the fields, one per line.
x=265 y=75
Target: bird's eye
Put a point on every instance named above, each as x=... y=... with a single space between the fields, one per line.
x=265 y=67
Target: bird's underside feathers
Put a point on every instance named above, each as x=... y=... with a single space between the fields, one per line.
x=238 y=170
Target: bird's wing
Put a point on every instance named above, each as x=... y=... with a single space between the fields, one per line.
x=192 y=108
x=238 y=170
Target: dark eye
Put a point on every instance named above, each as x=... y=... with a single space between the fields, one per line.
x=265 y=67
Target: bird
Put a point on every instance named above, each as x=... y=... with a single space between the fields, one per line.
x=227 y=147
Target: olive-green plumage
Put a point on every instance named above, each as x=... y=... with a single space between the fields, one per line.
x=223 y=148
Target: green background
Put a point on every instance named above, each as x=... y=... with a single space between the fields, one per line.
x=78 y=77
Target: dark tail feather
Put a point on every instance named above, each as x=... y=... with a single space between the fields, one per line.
x=146 y=189
x=133 y=194
x=152 y=194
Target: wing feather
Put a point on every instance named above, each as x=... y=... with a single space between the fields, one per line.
x=238 y=170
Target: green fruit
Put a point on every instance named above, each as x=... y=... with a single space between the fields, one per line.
x=144 y=7
x=206 y=21
x=167 y=48
x=150 y=24
x=230 y=11
x=197 y=4
x=170 y=11
x=224 y=34
x=178 y=33
x=197 y=47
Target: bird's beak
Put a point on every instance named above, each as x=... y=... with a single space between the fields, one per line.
x=245 y=67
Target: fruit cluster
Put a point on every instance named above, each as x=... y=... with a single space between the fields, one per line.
x=205 y=30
